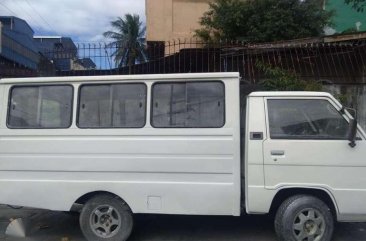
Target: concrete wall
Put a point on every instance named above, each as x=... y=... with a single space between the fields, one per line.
x=173 y=19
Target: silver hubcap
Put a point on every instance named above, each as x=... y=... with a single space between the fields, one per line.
x=309 y=225
x=105 y=221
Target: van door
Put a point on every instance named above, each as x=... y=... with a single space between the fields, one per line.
x=307 y=146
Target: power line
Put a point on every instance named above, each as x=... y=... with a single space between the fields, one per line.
x=35 y=10
x=2 y=4
x=27 y=13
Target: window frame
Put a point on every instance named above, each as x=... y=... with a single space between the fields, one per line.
x=185 y=82
x=109 y=83
x=10 y=92
x=330 y=101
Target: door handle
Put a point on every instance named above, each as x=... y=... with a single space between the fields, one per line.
x=256 y=135
x=277 y=153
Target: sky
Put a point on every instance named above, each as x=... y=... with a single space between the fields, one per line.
x=82 y=20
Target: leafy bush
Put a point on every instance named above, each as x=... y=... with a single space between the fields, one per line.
x=277 y=79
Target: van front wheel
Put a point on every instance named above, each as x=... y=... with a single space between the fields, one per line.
x=304 y=217
x=106 y=217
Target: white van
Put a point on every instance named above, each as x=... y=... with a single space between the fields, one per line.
x=180 y=144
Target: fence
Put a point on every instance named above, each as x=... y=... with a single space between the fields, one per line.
x=11 y=69
x=339 y=65
x=340 y=62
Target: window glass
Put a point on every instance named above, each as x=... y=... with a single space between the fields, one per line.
x=190 y=105
x=40 y=107
x=305 y=119
x=112 y=106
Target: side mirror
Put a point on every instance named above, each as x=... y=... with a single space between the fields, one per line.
x=352 y=133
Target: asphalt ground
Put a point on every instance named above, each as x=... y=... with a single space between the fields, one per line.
x=44 y=225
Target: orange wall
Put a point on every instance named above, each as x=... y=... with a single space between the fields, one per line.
x=168 y=20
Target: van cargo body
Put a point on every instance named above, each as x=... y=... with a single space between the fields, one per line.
x=191 y=144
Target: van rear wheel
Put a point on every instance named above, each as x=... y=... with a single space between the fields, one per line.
x=106 y=217
x=304 y=218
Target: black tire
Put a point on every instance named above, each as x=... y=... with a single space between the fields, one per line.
x=304 y=215
x=107 y=222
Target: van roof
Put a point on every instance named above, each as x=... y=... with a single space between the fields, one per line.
x=196 y=76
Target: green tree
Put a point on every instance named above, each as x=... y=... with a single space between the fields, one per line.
x=263 y=20
x=359 y=5
x=128 y=36
x=278 y=79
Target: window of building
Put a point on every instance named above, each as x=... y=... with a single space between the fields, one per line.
x=40 y=107
x=112 y=106
x=305 y=119
x=188 y=104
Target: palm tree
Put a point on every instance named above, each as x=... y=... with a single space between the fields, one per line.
x=129 y=39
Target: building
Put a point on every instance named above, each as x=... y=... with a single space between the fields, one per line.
x=16 y=43
x=345 y=18
x=167 y=20
x=63 y=52
x=84 y=64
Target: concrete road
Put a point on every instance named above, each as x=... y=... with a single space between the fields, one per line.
x=54 y=226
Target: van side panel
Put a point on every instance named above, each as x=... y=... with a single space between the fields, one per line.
x=257 y=198
x=170 y=171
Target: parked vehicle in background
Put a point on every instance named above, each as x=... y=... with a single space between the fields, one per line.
x=191 y=144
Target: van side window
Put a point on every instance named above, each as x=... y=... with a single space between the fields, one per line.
x=112 y=106
x=188 y=104
x=305 y=119
x=37 y=107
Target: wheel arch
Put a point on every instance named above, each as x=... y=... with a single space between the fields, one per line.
x=87 y=196
x=318 y=192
